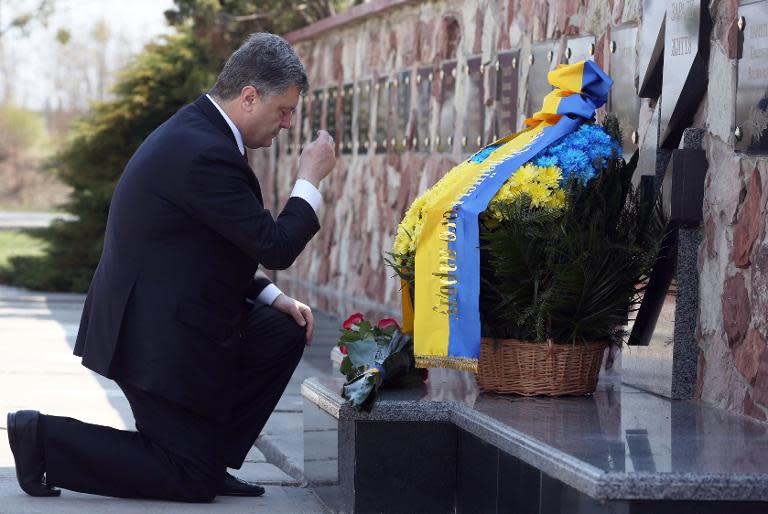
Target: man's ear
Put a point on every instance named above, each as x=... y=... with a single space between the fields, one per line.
x=249 y=98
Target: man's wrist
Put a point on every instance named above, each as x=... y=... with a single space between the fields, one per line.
x=311 y=180
x=306 y=190
x=269 y=294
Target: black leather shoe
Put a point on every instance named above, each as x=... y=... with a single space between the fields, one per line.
x=27 y=453
x=234 y=486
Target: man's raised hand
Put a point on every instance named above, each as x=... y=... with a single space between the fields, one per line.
x=318 y=159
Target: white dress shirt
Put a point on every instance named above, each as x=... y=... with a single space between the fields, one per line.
x=303 y=189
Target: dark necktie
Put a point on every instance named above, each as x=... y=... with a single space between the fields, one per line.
x=245 y=156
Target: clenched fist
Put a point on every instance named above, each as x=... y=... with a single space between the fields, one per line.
x=318 y=159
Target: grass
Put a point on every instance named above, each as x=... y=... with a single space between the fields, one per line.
x=14 y=242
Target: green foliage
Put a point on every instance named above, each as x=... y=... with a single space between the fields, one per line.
x=163 y=78
x=404 y=266
x=63 y=36
x=14 y=243
x=573 y=275
x=613 y=127
x=20 y=129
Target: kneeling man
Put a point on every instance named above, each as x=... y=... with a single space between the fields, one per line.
x=201 y=347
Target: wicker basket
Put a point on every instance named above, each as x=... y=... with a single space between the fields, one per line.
x=510 y=366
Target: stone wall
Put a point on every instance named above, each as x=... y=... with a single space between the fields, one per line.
x=368 y=193
x=733 y=259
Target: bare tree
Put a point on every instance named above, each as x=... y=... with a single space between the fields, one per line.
x=16 y=16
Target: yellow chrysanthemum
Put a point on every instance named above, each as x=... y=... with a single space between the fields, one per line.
x=410 y=227
x=541 y=184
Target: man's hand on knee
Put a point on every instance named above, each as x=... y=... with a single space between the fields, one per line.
x=300 y=313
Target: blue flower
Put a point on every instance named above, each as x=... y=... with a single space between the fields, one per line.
x=546 y=161
x=578 y=153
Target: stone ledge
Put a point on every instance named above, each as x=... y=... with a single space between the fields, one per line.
x=686 y=451
x=357 y=13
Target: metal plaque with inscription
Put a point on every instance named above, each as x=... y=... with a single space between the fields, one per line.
x=751 y=131
x=316 y=118
x=474 y=116
x=421 y=140
x=447 y=122
x=541 y=60
x=648 y=151
x=686 y=52
x=330 y=113
x=579 y=49
x=624 y=102
x=382 y=89
x=403 y=106
x=505 y=121
x=347 y=102
x=363 y=115
x=651 y=49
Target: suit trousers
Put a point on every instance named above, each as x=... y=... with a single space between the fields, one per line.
x=176 y=454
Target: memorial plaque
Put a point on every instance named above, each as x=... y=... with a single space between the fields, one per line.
x=347 y=99
x=403 y=107
x=304 y=117
x=686 y=52
x=316 y=118
x=330 y=113
x=474 y=116
x=541 y=60
x=649 y=148
x=382 y=89
x=651 y=55
x=363 y=115
x=505 y=121
x=579 y=49
x=752 y=92
x=422 y=141
x=624 y=102
x=446 y=126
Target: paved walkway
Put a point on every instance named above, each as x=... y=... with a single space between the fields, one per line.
x=38 y=371
x=12 y=220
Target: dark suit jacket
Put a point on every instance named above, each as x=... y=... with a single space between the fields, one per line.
x=186 y=232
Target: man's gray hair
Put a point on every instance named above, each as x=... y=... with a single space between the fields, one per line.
x=265 y=61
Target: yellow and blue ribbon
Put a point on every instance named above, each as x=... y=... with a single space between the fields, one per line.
x=446 y=311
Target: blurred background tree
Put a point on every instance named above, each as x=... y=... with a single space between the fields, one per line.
x=164 y=77
x=19 y=21
x=224 y=24
x=167 y=75
x=23 y=134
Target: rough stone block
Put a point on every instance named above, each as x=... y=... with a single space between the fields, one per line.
x=749 y=222
x=736 y=309
x=760 y=391
x=759 y=287
x=748 y=354
x=753 y=410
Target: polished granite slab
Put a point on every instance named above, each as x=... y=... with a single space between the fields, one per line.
x=619 y=444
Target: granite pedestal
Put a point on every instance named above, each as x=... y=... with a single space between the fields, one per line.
x=445 y=448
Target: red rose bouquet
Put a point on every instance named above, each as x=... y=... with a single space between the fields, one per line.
x=375 y=355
